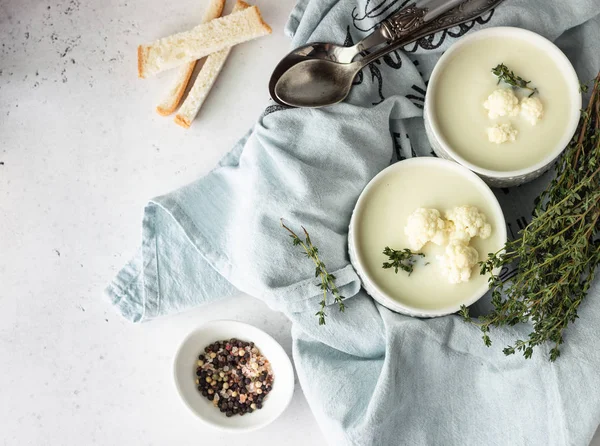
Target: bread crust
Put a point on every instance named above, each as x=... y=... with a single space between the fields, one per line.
x=214 y=10
x=264 y=24
x=164 y=111
x=183 y=122
x=141 y=61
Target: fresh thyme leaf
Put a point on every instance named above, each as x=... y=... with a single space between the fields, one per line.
x=556 y=256
x=509 y=77
x=327 y=283
x=401 y=260
x=464 y=312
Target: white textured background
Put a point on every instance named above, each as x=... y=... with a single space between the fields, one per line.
x=81 y=151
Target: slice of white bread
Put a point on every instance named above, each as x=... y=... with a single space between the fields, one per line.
x=205 y=80
x=173 y=95
x=216 y=35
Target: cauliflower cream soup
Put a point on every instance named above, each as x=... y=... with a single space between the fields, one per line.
x=381 y=217
x=493 y=125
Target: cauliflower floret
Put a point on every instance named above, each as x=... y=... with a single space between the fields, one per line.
x=458 y=261
x=467 y=222
x=501 y=133
x=502 y=102
x=425 y=225
x=532 y=110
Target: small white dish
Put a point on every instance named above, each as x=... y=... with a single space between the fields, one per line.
x=185 y=375
x=497 y=178
x=429 y=170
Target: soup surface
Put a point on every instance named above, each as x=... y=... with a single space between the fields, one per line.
x=380 y=223
x=467 y=81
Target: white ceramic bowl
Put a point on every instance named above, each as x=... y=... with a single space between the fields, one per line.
x=375 y=291
x=185 y=375
x=516 y=177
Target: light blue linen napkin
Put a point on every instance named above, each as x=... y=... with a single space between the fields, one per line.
x=371 y=376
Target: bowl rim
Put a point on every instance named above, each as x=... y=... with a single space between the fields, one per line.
x=276 y=345
x=384 y=298
x=563 y=63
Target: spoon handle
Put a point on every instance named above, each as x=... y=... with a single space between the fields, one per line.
x=414 y=16
x=412 y=26
x=401 y=24
x=398 y=26
x=437 y=7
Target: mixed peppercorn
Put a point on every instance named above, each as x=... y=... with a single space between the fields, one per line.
x=234 y=376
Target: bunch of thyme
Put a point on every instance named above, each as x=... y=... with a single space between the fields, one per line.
x=557 y=254
x=327 y=283
x=508 y=76
x=403 y=259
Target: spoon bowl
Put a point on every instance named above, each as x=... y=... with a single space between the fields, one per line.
x=321 y=51
x=316 y=82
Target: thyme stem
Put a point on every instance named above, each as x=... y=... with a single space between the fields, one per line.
x=557 y=254
x=509 y=77
x=327 y=280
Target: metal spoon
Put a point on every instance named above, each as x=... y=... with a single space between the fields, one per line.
x=412 y=15
x=317 y=82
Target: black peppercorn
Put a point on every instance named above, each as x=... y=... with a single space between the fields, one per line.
x=227 y=365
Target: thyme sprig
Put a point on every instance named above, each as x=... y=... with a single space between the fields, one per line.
x=327 y=283
x=403 y=259
x=557 y=254
x=509 y=77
